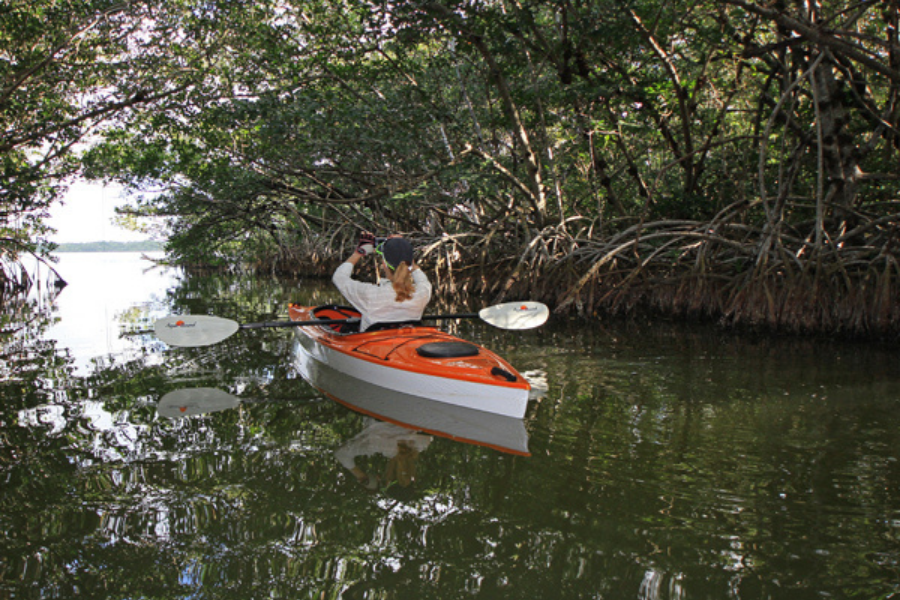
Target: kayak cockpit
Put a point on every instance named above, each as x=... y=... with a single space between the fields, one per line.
x=451 y=349
x=332 y=312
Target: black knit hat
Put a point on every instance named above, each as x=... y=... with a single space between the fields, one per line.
x=396 y=251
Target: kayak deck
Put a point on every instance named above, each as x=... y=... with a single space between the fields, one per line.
x=412 y=358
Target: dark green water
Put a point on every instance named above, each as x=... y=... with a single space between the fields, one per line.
x=666 y=462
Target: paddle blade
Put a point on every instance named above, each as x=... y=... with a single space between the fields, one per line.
x=195 y=401
x=515 y=315
x=194 y=330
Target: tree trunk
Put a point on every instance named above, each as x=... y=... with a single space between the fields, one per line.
x=840 y=157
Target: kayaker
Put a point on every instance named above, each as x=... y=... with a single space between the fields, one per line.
x=403 y=294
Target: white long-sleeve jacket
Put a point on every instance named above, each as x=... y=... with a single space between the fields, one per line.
x=378 y=302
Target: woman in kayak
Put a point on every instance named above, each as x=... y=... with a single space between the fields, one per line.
x=402 y=296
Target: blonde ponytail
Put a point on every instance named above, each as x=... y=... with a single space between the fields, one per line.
x=403 y=283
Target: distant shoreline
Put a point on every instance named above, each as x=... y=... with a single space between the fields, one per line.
x=142 y=246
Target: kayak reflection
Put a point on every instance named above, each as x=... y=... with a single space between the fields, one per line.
x=414 y=413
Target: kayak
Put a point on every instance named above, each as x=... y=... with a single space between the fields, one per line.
x=412 y=359
x=466 y=425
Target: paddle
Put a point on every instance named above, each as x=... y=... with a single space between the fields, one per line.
x=203 y=330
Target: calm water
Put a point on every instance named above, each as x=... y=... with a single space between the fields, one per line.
x=661 y=462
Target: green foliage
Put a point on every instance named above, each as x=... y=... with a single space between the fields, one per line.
x=271 y=132
x=379 y=106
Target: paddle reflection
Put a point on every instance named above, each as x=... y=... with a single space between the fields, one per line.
x=195 y=401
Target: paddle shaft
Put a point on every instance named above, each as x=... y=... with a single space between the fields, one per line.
x=267 y=324
x=296 y=323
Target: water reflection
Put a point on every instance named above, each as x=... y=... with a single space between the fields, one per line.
x=665 y=462
x=107 y=293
